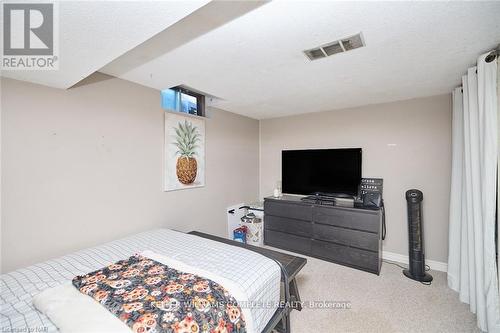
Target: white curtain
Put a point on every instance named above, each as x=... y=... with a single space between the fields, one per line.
x=498 y=163
x=472 y=265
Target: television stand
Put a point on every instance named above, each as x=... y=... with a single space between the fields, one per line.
x=350 y=236
x=331 y=195
x=319 y=200
x=343 y=200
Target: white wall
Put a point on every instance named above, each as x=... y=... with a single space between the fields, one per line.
x=408 y=143
x=84 y=166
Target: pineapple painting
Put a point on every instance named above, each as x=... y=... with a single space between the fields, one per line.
x=186 y=140
x=184 y=152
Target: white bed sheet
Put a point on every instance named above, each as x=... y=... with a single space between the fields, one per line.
x=257 y=275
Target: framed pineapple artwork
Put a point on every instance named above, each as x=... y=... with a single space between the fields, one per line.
x=184 y=152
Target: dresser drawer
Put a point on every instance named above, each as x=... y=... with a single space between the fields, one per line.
x=366 y=260
x=287 y=242
x=290 y=210
x=360 y=220
x=291 y=226
x=349 y=237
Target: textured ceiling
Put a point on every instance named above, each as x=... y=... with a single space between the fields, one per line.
x=256 y=66
x=93 y=33
x=249 y=53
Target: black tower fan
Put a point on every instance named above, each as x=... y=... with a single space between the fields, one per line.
x=416 y=269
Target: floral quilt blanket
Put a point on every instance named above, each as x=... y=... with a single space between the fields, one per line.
x=151 y=297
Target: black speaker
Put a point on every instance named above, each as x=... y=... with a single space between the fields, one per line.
x=372 y=199
x=416 y=268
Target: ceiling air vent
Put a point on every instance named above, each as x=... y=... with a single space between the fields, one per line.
x=314 y=54
x=331 y=49
x=339 y=46
x=352 y=42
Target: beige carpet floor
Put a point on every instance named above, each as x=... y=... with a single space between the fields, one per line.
x=386 y=303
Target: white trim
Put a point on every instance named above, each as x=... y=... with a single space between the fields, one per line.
x=396 y=257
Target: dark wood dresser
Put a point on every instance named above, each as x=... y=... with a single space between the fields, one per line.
x=343 y=235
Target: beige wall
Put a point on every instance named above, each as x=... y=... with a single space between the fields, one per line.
x=84 y=166
x=407 y=143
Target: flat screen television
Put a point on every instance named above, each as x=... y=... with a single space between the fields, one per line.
x=325 y=171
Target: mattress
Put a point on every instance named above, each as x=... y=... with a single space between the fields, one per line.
x=257 y=275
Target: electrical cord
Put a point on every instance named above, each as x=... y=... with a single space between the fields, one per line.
x=395 y=264
x=384 y=228
x=427 y=268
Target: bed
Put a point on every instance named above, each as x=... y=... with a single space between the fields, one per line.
x=259 y=275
